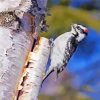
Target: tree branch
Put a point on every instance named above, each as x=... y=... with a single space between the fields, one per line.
x=34 y=70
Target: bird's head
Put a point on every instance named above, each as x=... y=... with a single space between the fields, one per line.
x=79 y=31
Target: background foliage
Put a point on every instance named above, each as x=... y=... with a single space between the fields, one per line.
x=81 y=81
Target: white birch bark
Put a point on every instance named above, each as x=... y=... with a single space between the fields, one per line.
x=32 y=77
x=14 y=47
x=13 y=51
x=11 y=5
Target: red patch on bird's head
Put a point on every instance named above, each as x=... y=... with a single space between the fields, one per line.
x=86 y=31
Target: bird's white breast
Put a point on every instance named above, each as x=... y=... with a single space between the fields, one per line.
x=58 y=51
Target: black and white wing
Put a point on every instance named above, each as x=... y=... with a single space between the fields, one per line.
x=57 y=54
x=70 y=48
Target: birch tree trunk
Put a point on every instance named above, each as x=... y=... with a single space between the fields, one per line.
x=13 y=51
x=14 y=48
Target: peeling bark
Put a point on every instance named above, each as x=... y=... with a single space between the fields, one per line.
x=14 y=48
x=34 y=70
x=13 y=51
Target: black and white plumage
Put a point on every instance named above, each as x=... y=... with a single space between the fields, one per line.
x=64 y=47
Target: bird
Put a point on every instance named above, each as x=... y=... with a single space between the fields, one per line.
x=64 y=47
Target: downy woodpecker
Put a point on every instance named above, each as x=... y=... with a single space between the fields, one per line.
x=64 y=47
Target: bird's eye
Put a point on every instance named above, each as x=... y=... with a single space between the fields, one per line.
x=78 y=28
x=81 y=30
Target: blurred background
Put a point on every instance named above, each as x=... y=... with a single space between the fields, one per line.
x=81 y=79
